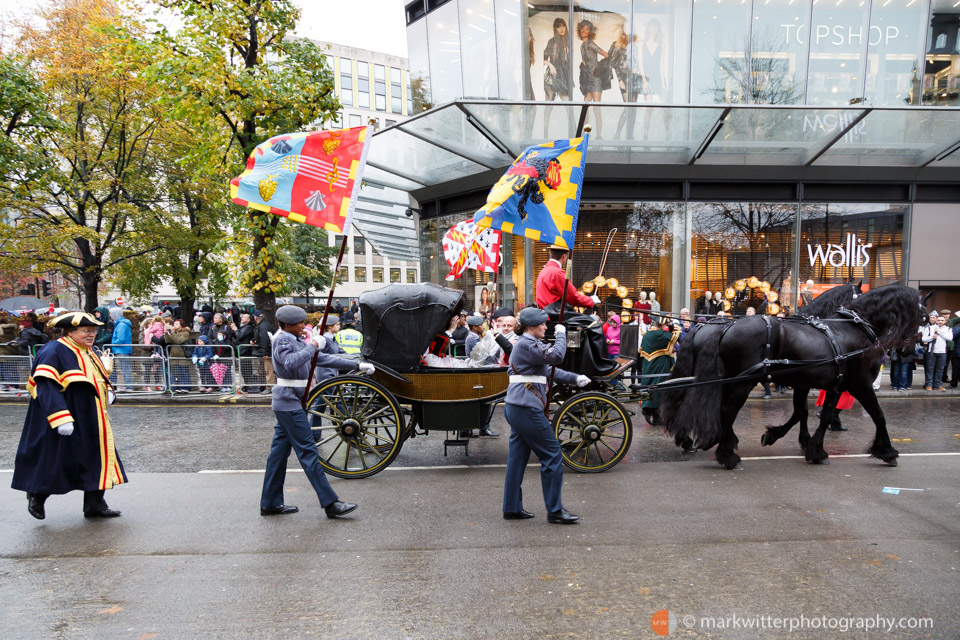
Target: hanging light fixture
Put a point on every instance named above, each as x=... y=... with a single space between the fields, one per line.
x=773 y=309
x=627 y=303
x=730 y=293
x=772 y=296
x=753 y=282
x=622 y=291
x=740 y=285
x=588 y=287
x=599 y=281
x=764 y=286
x=726 y=305
x=613 y=283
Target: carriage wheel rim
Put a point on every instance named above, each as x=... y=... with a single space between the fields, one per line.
x=366 y=426
x=594 y=432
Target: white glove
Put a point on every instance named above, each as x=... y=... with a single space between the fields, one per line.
x=107 y=359
x=595 y=298
x=215 y=358
x=582 y=381
x=111 y=397
x=194 y=358
x=272 y=336
x=559 y=330
x=366 y=367
x=65 y=429
x=315 y=341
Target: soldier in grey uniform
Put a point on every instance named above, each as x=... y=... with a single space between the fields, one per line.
x=291 y=362
x=530 y=430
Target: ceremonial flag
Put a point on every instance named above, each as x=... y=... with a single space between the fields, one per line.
x=539 y=195
x=467 y=247
x=311 y=177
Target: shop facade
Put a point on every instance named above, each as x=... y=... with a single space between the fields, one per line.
x=789 y=145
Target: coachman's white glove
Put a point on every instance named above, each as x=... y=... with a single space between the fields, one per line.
x=65 y=429
x=595 y=298
x=559 y=330
x=582 y=381
x=366 y=367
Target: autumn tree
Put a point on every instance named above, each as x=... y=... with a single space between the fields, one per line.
x=74 y=212
x=235 y=60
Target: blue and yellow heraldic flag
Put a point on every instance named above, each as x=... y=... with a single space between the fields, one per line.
x=539 y=195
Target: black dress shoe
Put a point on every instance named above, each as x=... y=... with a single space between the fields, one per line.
x=489 y=433
x=562 y=517
x=339 y=508
x=102 y=513
x=35 y=507
x=523 y=514
x=276 y=511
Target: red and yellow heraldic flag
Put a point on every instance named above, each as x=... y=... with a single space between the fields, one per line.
x=311 y=177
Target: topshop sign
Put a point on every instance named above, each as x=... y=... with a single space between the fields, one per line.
x=839 y=35
x=851 y=254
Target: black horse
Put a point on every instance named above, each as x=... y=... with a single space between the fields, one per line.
x=825 y=305
x=840 y=354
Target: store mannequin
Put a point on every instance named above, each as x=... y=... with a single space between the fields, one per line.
x=644 y=306
x=654 y=303
x=806 y=292
x=704 y=304
x=717 y=302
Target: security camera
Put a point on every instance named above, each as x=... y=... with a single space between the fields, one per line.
x=410 y=211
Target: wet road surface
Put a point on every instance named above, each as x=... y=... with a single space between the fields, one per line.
x=427 y=555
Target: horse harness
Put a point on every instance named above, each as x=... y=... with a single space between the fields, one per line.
x=839 y=358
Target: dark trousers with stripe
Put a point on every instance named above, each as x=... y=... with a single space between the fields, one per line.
x=530 y=431
x=292 y=431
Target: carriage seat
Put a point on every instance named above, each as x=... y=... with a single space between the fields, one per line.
x=589 y=359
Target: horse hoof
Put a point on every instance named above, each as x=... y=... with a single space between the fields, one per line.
x=890 y=463
x=823 y=461
x=766 y=440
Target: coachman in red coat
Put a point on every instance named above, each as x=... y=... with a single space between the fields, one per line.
x=551 y=279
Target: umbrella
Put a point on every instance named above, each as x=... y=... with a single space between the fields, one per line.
x=22 y=303
x=146 y=308
x=218 y=371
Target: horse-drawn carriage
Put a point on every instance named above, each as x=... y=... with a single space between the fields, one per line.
x=361 y=422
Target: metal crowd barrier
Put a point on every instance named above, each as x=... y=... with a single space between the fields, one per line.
x=191 y=373
x=14 y=373
x=142 y=372
x=255 y=375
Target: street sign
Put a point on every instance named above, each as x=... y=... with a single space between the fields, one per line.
x=119 y=301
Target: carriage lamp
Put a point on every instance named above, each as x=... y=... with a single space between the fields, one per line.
x=588 y=287
x=764 y=286
x=740 y=285
x=773 y=309
x=613 y=283
x=627 y=303
x=726 y=305
x=730 y=293
x=772 y=296
x=599 y=281
x=753 y=282
x=622 y=291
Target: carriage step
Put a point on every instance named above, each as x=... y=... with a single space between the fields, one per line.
x=457 y=442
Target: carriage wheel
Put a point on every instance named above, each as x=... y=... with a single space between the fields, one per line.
x=357 y=424
x=594 y=431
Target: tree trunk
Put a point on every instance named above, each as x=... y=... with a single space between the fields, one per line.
x=90 y=286
x=266 y=301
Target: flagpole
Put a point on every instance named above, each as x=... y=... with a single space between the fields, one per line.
x=326 y=309
x=563 y=304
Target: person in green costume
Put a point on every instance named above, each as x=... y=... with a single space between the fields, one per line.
x=657 y=353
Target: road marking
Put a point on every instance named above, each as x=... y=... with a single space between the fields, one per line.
x=535 y=464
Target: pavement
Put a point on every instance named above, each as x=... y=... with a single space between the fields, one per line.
x=723 y=554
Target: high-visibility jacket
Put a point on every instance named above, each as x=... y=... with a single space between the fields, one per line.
x=350 y=340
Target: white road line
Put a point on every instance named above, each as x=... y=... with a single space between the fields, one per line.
x=535 y=464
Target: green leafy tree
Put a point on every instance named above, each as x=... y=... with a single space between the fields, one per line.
x=310 y=259
x=23 y=117
x=74 y=212
x=234 y=60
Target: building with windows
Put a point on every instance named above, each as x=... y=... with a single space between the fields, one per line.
x=799 y=142
x=373 y=86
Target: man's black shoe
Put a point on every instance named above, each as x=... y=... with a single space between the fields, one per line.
x=339 y=508
x=102 y=513
x=276 y=511
x=523 y=514
x=35 y=507
x=489 y=433
x=562 y=517
x=466 y=434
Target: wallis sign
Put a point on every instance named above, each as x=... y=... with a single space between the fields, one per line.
x=851 y=254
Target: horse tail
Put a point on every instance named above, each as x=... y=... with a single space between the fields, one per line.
x=692 y=416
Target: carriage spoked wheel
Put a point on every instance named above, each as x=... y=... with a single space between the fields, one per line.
x=594 y=431
x=357 y=424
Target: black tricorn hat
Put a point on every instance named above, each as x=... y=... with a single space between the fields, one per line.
x=74 y=319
